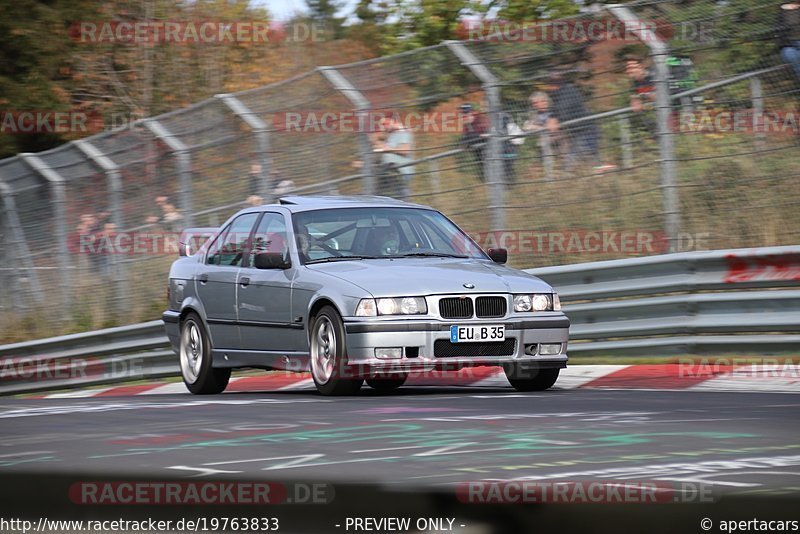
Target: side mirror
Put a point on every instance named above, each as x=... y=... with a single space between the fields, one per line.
x=191 y=240
x=271 y=260
x=498 y=255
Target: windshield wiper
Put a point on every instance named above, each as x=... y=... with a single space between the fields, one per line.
x=430 y=254
x=341 y=258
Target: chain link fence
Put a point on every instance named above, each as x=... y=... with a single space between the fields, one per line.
x=627 y=131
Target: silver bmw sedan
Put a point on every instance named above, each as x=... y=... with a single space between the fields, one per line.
x=356 y=289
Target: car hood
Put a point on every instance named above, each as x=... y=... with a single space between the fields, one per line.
x=432 y=276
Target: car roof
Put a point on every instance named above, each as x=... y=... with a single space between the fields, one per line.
x=296 y=203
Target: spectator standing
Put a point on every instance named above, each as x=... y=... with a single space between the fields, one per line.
x=97 y=226
x=254 y=200
x=254 y=182
x=568 y=103
x=474 y=130
x=284 y=187
x=106 y=235
x=171 y=219
x=541 y=116
x=541 y=119
x=84 y=232
x=643 y=94
x=396 y=151
x=788 y=30
x=510 y=147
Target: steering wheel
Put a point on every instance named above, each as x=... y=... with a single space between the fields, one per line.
x=313 y=241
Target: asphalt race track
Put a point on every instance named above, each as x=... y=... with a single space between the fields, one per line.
x=416 y=436
x=733 y=444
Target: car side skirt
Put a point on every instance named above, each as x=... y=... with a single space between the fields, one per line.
x=261 y=359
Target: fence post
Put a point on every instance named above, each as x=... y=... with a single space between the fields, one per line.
x=493 y=157
x=757 y=94
x=362 y=108
x=114 y=181
x=8 y=293
x=666 y=142
x=625 y=140
x=261 y=133
x=13 y=241
x=436 y=179
x=20 y=245
x=184 y=160
x=548 y=158
x=59 y=199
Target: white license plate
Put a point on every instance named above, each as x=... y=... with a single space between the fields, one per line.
x=477 y=333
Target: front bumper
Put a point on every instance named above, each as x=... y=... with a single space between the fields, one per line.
x=420 y=350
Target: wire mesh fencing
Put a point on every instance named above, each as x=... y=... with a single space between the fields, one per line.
x=631 y=130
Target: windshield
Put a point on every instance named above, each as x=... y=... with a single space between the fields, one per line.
x=367 y=233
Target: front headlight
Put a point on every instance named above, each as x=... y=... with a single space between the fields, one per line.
x=391 y=306
x=536 y=302
x=522 y=303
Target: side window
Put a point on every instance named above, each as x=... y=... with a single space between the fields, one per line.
x=212 y=256
x=231 y=248
x=270 y=236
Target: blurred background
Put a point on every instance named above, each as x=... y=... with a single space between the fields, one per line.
x=551 y=127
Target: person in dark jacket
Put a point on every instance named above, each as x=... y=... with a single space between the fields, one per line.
x=474 y=130
x=788 y=30
x=568 y=103
x=643 y=95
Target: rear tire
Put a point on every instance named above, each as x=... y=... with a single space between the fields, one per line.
x=328 y=352
x=385 y=383
x=530 y=378
x=200 y=377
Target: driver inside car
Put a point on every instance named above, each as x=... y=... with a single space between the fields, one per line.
x=303 y=243
x=384 y=241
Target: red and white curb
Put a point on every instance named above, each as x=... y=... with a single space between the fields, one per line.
x=784 y=378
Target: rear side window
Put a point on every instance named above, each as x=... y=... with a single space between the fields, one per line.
x=231 y=248
x=270 y=236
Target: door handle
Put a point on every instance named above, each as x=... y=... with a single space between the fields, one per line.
x=203 y=278
x=245 y=280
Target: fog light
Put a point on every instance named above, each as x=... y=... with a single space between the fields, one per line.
x=549 y=349
x=530 y=350
x=391 y=353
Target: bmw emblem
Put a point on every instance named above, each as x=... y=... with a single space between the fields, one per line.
x=469 y=286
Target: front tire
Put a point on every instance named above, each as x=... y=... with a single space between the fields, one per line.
x=524 y=378
x=200 y=377
x=328 y=352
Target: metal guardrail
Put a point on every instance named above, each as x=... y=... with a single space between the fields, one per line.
x=740 y=300
x=111 y=355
